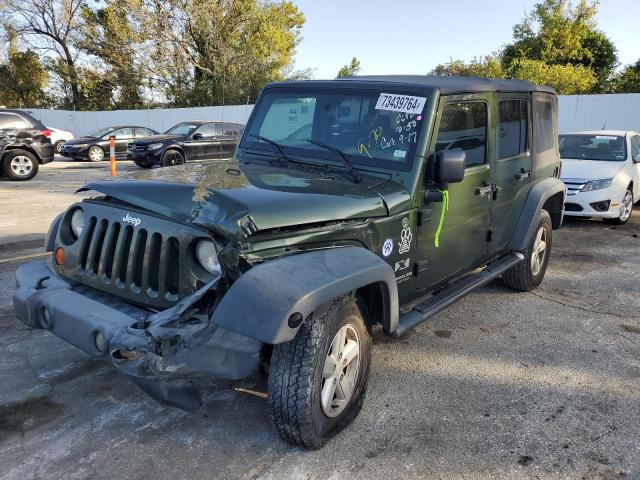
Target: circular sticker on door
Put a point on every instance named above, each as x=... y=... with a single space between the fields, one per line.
x=387 y=247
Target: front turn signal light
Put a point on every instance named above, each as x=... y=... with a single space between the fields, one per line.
x=59 y=256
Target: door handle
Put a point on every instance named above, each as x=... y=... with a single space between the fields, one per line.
x=522 y=174
x=482 y=191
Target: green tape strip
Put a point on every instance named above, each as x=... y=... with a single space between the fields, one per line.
x=445 y=207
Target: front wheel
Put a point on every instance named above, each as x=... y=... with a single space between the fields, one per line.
x=626 y=209
x=57 y=147
x=20 y=165
x=317 y=381
x=171 y=158
x=529 y=273
x=95 y=154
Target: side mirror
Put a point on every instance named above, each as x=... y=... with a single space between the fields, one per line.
x=197 y=136
x=449 y=167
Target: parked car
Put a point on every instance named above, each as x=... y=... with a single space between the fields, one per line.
x=288 y=254
x=25 y=143
x=186 y=141
x=601 y=170
x=95 y=146
x=58 y=137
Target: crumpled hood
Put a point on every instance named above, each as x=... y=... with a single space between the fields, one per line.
x=590 y=169
x=218 y=194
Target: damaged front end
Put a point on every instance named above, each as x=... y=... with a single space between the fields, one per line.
x=165 y=352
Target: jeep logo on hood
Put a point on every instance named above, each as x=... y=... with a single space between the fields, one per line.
x=132 y=220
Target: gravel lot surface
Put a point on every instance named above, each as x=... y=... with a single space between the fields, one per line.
x=500 y=385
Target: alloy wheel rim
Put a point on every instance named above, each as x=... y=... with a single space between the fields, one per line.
x=539 y=251
x=626 y=207
x=21 y=165
x=95 y=154
x=340 y=371
x=174 y=159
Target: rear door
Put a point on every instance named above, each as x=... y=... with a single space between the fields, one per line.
x=511 y=170
x=123 y=137
x=635 y=159
x=229 y=140
x=462 y=123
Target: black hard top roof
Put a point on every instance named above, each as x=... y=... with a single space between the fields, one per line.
x=445 y=84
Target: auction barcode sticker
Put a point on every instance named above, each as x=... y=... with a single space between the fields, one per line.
x=400 y=103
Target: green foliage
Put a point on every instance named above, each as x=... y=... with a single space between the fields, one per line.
x=22 y=80
x=350 y=70
x=628 y=80
x=489 y=67
x=564 y=79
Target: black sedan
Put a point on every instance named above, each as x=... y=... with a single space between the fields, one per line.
x=186 y=141
x=95 y=146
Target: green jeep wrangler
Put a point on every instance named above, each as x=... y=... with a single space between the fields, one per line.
x=348 y=204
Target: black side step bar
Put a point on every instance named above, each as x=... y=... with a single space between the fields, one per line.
x=455 y=292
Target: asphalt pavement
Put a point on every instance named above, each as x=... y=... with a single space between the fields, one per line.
x=500 y=385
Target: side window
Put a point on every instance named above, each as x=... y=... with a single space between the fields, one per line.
x=143 y=132
x=543 y=127
x=512 y=128
x=210 y=129
x=11 y=121
x=122 y=134
x=463 y=126
x=635 y=147
x=230 y=129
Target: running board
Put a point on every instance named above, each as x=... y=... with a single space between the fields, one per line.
x=454 y=292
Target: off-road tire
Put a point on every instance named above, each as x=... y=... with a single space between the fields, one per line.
x=521 y=277
x=171 y=157
x=619 y=220
x=98 y=157
x=13 y=157
x=295 y=375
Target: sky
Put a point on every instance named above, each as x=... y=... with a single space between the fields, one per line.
x=413 y=36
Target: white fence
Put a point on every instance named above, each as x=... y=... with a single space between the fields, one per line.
x=575 y=112
x=160 y=119
x=595 y=112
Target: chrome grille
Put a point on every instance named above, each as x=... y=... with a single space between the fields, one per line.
x=136 y=148
x=573 y=185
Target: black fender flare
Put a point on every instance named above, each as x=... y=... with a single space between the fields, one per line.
x=260 y=303
x=538 y=196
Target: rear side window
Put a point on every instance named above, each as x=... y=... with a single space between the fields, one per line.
x=12 y=121
x=463 y=126
x=230 y=129
x=544 y=131
x=143 y=132
x=512 y=128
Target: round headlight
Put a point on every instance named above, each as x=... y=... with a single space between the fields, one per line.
x=206 y=254
x=77 y=222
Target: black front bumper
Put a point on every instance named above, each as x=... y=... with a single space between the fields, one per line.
x=165 y=353
x=147 y=158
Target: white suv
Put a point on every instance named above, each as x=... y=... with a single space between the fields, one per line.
x=601 y=170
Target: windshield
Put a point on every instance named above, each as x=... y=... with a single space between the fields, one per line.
x=101 y=133
x=610 y=148
x=182 y=128
x=372 y=128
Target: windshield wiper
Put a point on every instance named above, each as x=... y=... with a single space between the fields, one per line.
x=277 y=149
x=343 y=157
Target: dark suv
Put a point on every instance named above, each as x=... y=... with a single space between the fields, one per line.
x=408 y=193
x=186 y=141
x=24 y=144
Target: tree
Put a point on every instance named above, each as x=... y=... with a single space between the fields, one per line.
x=22 y=80
x=628 y=80
x=350 y=69
x=564 y=79
x=489 y=67
x=232 y=47
x=50 y=26
x=110 y=33
x=600 y=54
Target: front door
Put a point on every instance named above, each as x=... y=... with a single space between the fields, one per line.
x=462 y=124
x=512 y=166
